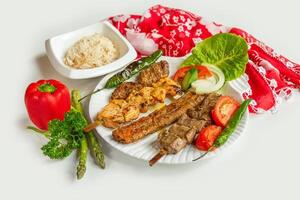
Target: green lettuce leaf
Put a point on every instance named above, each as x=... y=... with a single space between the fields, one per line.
x=226 y=51
x=191 y=60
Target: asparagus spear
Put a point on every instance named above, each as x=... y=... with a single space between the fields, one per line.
x=83 y=150
x=96 y=150
x=94 y=144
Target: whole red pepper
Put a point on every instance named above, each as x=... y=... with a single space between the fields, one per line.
x=46 y=100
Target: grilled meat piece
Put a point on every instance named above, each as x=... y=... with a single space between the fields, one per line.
x=187 y=121
x=154 y=73
x=147 y=77
x=184 y=130
x=119 y=111
x=202 y=111
x=157 y=119
x=123 y=90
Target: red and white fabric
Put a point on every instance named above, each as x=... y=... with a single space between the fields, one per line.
x=271 y=76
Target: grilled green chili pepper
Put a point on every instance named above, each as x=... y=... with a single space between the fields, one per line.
x=191 y=76
x=229 y=129
x=132 y=69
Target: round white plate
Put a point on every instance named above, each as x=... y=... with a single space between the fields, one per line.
x=144 y=149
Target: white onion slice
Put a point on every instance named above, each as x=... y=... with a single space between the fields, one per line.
x=211 y=84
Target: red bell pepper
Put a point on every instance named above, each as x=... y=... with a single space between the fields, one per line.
x=46 y=100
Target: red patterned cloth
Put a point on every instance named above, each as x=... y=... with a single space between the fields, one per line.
x=271 y=76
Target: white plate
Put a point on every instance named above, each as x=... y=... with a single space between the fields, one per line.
x=144 y=149
x=56 y=48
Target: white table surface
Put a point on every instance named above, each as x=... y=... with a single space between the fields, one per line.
x=263 y=164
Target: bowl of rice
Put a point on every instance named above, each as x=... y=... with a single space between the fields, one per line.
x=89 y=52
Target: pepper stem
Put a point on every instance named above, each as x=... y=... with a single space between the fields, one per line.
x=42 y=132
x=210 y=148
x=90 y=94
x=47 y=87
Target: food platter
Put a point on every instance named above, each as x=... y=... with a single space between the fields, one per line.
x=144 y=149
x=175 y=90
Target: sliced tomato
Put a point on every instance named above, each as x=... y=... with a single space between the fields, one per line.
x=180 y=73
x=207 y=137
x=224 y=109
x=203 y=72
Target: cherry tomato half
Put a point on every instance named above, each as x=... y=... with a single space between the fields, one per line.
x=224 y=109
x=203 y=72
x=207 y=137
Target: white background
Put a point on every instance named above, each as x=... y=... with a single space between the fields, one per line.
x=263 y=164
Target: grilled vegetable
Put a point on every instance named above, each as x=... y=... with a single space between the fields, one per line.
x=223 y=110
x=229 y=129
x=207 y=137
x=132 y=69
x=189 y=78
x=233 y=122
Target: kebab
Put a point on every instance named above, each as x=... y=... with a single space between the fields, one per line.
x=182 y=133
x=156 y=120
x=130 y=99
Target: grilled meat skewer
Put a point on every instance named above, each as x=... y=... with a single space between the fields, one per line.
x=147 y=77
x=132 y=98
x=119 y=111
x=183 y=132
x=157 y=119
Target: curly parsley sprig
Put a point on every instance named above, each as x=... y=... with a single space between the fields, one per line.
x=64 y=136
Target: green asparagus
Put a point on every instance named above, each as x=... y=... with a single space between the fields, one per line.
x=83 y=150
x=94 y=144
x=96 y=150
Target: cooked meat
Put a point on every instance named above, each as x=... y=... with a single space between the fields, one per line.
x=147 y=77
x=123 y=90
x=202 y=111
x=172 y=87
x=157 y=119
x=185 y=120
x=120 y=110
x=171 y=142
x=182 y=133
x=154 y=73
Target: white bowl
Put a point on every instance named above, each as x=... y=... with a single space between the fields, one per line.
x=56 y=48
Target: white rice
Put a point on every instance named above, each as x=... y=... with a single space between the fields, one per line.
x=91 y=51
